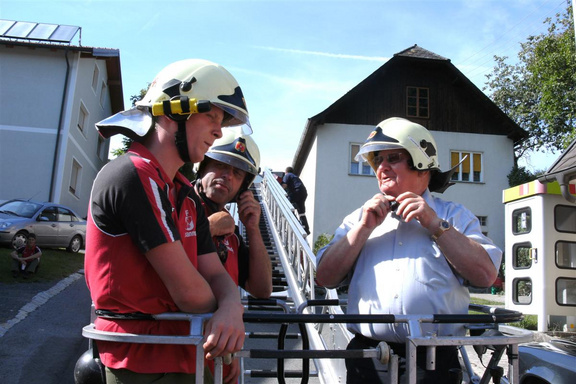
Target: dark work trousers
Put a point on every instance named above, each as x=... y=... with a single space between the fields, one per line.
x=298 y=200
x=371 y=371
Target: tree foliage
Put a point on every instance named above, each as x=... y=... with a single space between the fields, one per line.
x=539 y=92
x=520 y=175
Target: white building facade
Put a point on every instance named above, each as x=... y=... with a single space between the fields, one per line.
x=427 y=89
x=51 y=95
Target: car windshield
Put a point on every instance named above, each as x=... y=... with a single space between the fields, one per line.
x=20 y=208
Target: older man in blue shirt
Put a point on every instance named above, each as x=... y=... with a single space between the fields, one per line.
x=406 y=251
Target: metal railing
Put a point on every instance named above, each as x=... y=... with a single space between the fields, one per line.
x=323 y=321
x=500 y=340
x=299 y=263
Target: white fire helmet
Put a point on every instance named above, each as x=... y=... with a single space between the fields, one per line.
x=236 y=149
x=399 y=133
x=179 y=90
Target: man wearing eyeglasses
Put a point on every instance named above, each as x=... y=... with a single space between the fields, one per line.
x=406 y=252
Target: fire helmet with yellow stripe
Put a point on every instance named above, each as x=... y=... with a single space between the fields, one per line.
x=179 y=90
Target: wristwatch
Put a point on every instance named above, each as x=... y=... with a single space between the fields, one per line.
x=443 y=227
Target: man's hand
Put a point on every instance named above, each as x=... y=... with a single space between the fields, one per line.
x=249 y=209
x=224 y=332
x=375 y=210
x=221 y=224
x=413 y=206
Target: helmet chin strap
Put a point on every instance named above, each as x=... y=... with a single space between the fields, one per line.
x=180 y=139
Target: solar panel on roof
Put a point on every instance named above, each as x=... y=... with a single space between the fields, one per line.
x=20 y=29
x=37 y=31
x=64 y=33
x=5 y=25
x=42 y=31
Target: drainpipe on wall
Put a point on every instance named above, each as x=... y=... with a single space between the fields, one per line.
x=60 y=120
x=563 y=179
x=564 y=182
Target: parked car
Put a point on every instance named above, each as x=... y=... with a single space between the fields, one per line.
x=550 y=362
x=55 y=225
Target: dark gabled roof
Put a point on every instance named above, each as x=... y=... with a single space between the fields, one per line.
x=512 y=130
x=421 y=53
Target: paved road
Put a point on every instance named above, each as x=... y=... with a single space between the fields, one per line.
x=40 y=340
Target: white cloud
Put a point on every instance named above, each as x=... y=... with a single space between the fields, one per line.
x=326 y=54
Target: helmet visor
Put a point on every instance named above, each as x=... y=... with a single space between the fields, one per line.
x=366 y=153
x=133 y=123
x=233 y=161
x=234 y=118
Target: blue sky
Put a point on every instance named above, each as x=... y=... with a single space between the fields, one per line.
x=294 y=58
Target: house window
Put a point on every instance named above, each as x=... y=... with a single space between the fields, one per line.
x=100 y=148
x=359 y=167
x=103 y=94
x=483 y=220
x=471 y=168
x=417 y=102
x=82 y=117
x=75 y=177
x=95 y=76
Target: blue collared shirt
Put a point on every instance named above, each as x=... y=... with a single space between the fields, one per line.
x=402 y=271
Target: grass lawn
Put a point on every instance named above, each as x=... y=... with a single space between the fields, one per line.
x=55 y=264
x=479 y=301
x=528 y=322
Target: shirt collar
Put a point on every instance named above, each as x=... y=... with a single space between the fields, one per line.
x=143 y=152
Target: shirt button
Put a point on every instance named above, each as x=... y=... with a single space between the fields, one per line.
x=396 y=296
x=400 y=243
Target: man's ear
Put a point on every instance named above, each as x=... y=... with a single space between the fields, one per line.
x=425 y=174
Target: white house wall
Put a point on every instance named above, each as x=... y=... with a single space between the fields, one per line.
x=30 y=102
x=81 y=146
x=31 y=95
x=306 y=175
x=483 y=199
x=337 y=193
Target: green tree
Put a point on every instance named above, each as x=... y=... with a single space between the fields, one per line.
x=539 y=92
x=321 y=241
x=520 y=175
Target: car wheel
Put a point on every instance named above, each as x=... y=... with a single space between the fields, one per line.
x=75 y=244
x=19 y=239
